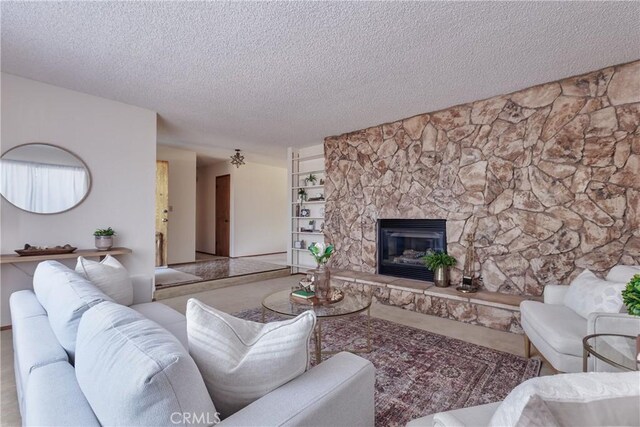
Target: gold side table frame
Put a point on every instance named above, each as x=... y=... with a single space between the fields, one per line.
x=322 y=318
x=589 y=350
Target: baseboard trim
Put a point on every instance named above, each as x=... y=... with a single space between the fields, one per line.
x=270 y=253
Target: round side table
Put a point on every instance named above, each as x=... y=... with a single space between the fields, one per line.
x=618 y=350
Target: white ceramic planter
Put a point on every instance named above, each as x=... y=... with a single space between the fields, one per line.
x=104 y=243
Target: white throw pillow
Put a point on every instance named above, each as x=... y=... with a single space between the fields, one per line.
x=135 y=373
x=589 y=294
x=600 y=398
x=110 y=276
x=241 y=360
x=65 y=295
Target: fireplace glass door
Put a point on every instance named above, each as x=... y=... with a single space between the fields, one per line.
x=403 y=243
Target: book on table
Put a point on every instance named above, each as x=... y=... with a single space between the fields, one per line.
x=301 y=293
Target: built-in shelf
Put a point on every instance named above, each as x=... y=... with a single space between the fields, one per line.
x=319 y=171
x=309 y=186
x=303 y=162
x=15 y=258
x=311 y=157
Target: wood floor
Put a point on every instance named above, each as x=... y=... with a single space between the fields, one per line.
x=242 y=297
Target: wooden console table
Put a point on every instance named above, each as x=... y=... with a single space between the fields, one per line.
x=15 y=258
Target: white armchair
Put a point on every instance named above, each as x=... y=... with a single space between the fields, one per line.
x=557 y=331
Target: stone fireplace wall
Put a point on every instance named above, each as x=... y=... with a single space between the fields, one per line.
x=548 y=177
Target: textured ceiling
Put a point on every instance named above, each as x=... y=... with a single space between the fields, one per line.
x=264 y=76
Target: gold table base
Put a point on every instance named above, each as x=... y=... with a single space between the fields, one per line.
x=318 y=333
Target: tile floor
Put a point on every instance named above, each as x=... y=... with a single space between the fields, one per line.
x=211 y=267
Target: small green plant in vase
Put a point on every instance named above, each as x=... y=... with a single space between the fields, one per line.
x=104 y=238
x=322 y=276
x=302 y=194
x=631 y=295
x=439 y=262
x=311 y=179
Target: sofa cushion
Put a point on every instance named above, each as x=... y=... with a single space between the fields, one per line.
x=241 y=360
x=583 y=399
x=135 y=373
x=65 y=295
x=590 y=294
x=623 y=273
x=108 y=275
x=545 y=318
x=166 y=317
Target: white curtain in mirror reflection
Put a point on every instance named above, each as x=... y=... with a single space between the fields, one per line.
x=41 y=187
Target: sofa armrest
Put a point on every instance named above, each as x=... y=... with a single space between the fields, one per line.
x=613 y=323
x=142 y=289
x=554 y=294
x=54 y=398
x=337 y=392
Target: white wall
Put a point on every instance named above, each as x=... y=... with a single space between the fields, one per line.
x=116 y=141
x=181 y=246
x=258 y=208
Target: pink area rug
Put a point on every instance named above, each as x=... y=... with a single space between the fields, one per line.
x=420 y=373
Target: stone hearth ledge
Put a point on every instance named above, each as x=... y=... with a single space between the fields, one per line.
x=491 y=309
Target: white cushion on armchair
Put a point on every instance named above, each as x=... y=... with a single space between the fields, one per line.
x=590 y=294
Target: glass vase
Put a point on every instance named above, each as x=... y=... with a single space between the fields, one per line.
x=322 y=283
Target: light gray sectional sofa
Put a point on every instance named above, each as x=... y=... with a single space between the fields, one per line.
x=82 y=359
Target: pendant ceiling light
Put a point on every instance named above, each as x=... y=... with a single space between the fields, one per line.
x=237 y=159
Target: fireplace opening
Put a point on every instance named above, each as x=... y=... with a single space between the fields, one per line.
x=403 y=242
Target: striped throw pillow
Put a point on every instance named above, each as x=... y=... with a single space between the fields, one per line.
x=241 y=360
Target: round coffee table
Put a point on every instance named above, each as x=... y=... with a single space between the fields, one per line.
x=350 y=305
x=617 y=350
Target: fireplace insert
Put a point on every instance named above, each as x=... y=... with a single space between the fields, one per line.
x=403 y=242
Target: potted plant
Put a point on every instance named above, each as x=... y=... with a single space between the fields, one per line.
x=310 y=179
x=302 y=194
x=439 y=262
x=104 y=238
x=631 y=295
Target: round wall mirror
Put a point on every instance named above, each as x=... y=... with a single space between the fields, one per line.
x=43 y=178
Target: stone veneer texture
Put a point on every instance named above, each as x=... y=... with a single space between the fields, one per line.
x=548 y=176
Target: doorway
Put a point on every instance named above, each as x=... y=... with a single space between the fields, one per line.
x=162 y=211
x=223 y=214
